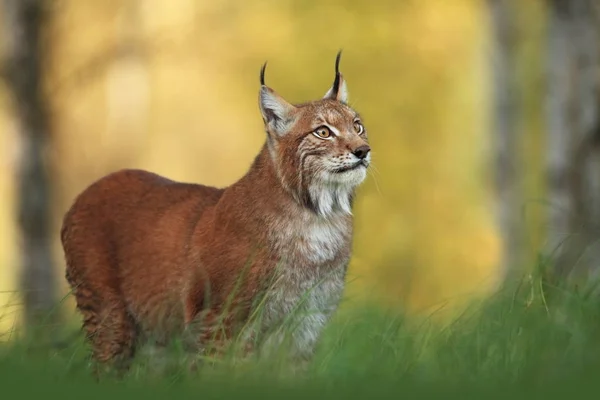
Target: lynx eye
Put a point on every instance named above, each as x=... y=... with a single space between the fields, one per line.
x=322 y=132
x=358 y=127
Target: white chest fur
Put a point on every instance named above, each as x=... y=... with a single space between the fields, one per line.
x=309 y=281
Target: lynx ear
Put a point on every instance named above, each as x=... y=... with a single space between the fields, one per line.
x=276 y=112
x=339 y=90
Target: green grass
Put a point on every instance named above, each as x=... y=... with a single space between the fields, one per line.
x=531 y=340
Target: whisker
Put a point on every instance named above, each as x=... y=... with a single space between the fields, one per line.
x=375 y=169
x=372 y=173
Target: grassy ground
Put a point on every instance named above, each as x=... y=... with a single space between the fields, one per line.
x=530 y=340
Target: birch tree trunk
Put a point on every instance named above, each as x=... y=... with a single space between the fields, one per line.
x=22 y=23
x=505 y=133
x=573 y=162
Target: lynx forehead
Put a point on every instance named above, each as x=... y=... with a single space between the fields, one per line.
x=148 y=257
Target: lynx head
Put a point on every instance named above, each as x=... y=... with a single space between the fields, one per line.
x=319 y=149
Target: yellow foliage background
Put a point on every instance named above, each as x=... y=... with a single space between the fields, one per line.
x=172 y=87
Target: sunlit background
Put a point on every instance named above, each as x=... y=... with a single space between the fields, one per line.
x=172 y=86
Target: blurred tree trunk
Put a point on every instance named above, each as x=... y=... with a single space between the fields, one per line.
x=573 y=164
x=22 y=22
x=505 y=133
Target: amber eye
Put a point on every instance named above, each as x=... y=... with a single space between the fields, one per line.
x=358 y=127
x=323 y=132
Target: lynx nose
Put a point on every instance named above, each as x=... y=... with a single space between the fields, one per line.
x=362 y=151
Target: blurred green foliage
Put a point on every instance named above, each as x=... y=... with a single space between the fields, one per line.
x=528 y=340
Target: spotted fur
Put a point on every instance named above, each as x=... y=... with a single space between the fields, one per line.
x=150 y=257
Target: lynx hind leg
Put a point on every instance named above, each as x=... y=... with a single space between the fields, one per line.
x=109 y=327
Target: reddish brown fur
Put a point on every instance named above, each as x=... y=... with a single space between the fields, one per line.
x=142 y=250
x=133 y=235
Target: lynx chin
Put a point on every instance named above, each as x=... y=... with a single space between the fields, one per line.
x=149 y=258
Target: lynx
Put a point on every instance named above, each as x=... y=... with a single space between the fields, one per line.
x=150 y=257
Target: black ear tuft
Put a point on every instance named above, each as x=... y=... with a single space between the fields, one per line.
x=336 y=81
x=262 y=74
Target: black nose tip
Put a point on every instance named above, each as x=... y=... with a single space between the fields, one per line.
x=362 y=151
